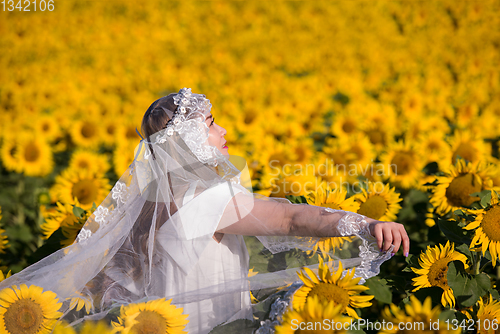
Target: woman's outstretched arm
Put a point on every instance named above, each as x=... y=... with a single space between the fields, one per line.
x=249 y=216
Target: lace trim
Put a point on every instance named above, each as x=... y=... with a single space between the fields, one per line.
x=103 y=215
x=371 y=257
x=193 y=131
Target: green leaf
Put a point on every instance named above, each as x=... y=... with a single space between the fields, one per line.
x=466 y=288
x=51 y=245
x=453 y=232
x=379 y=288
x=78 y=212
x=297 y=199
x=482 y=194
x=494 y=293
x=464 y=249
x=447 y=315
x=486 y=200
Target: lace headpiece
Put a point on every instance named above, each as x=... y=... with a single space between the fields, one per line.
x=187 y=103
x=188 y=122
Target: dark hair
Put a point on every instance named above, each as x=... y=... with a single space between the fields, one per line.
x=158 y=114
x=132 y=263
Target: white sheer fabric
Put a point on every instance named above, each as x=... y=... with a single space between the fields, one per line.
x=153 y=236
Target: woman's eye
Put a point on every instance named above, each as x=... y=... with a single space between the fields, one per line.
x=213 y=120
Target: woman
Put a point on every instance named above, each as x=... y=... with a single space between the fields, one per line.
x=173 y=228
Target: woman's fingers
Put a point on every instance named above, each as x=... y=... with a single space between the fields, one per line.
x=406 y=242
x=390 y=233
x=388 y=238
x=396 y=240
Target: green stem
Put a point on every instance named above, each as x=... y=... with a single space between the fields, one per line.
x=20 y=207
x=483 y=267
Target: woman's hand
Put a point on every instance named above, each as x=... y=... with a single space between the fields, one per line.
x=389 y=233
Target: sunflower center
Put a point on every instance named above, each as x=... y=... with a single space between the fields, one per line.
x=85 y=191
x=358 y=151
x=466 y=151
x=249 y=118
x=131 y=134
x=88 y=130
x=434 y=146
x=437 y=273
x=83 y=164
x=459 y=189
x=111 y=129
x=23 y=317
x=374 y=207
x=32 y=152
x=402 y=163
x=491 y=223
x=376 y=137
x=328 y=292
x=348 y=126
x=149 y=322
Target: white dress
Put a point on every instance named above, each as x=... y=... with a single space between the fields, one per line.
x=207 y=272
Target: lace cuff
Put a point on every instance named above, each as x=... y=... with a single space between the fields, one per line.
x=353 y=224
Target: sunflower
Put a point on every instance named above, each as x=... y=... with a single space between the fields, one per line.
x=297 y=185
x=434 y=267
x=379 y=201
x=88 y=327
x=123 y=156
x=155 y=316
x=79 y=302
x=434 y=148
x=346 y=124
x=379 y=136
x=80 y=186
x=402 y=165
x=488 y=314
x=4 y=243
x=8 y=155
x=417 y=314
x=454 y=188
x=46 y=125
x=487 y=229
x=94 y=162
x=469 y=147
x=126 y=131
x=315 y=317
x=3 y=276
x=326 y=197
x=110 y=129
x=362 y=152
x=34 y=155
x=331 y=287
x=27 y=310
x=412 y=104
x=86 y=133
x=338 y=162
x=62 y=216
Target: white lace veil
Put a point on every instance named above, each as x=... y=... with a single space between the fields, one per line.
x=153 y=235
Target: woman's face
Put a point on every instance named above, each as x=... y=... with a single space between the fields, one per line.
x=216 y=135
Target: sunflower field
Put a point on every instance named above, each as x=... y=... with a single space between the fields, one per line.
x=387 y=108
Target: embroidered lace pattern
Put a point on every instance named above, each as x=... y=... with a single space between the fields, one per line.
x=371 y=258
x=103 y=215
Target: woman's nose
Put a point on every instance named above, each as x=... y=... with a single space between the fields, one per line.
x=223 y=131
